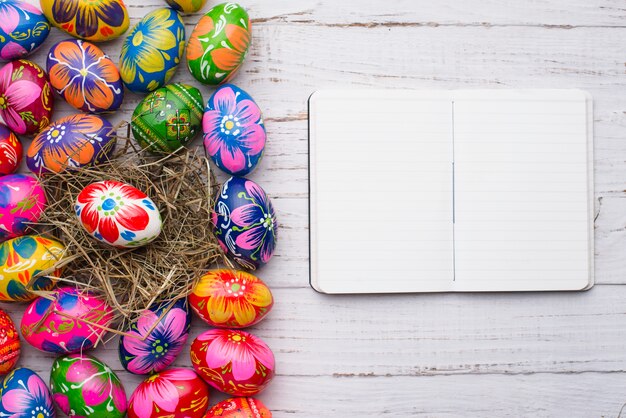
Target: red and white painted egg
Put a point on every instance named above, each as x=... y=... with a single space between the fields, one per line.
x=239 y=408
x=9 y=343
x=22 y=201
x=118 y=214
x=173 y=393
x=11 y=151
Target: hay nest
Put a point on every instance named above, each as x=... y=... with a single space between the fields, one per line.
x=182 y=186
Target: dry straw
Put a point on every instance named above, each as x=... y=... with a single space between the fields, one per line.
x=182 y=186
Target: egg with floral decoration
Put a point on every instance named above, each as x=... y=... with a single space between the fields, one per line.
x=23 y=258
x=25 y=97
x=71 y=321
x=23 y=28
x=9 y=343
x=233 y=361
x=168 y=118
x=10 y=151
x=84 y=76
x=234 y=133
x=219 y=43
x=186 y=6
x=156 y=338
x=239 y=408
x=231 y=299
x=118 y=214
x=22 y=201
x=83 y=386
x=94 y=21
x=24 y=394
x=71 y=142
x=244 y=222
x=172 y=393
x=152 y=51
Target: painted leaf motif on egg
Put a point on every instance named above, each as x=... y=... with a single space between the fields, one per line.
x=24 y=394
x=22 y=201
x=152 y=50
x=219 y=43
x=244 y=222
x=25 y=97
x=22 y=258
x=234 y=133
x=239 y=408
x=10 y=151
x=71 y=142
x=84 y=76
x=149 y=348
x=118 y=214
x=72 y=322
x=23 y=28
x=84 y=386
x=9 y=344
x=168 y=118
x=95 y=21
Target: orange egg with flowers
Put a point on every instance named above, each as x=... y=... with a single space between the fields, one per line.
x=231 y=298
x=9 y=343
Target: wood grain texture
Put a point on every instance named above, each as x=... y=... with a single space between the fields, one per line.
x=445 y=355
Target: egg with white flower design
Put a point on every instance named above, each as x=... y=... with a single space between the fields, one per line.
x=118 y=214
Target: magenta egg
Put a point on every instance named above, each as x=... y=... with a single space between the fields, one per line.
x=22 y=201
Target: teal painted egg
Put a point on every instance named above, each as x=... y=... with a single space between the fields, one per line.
x=23 y=28
x=152 y=51
x=219 y=44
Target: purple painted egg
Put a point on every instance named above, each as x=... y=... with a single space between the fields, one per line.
x=10 y=151
x=245 y=222
x=70 y=323
x=234 y=133
x=25 y=97
x=22 y=201
x=71 y=142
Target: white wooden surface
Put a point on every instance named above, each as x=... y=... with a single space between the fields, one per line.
x=444 y=355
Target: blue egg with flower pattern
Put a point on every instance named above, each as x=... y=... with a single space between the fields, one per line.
x=24 y=394
x=156 y=338
x=152 y=51
x=244 y=222
x=234 y=133
x=23 y=28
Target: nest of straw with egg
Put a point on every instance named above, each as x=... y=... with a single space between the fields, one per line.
x=183 y=188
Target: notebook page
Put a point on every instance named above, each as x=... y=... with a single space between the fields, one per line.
x=381 y=191
x=522 y=191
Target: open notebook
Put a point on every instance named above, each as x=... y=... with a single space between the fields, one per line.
x=440 y=191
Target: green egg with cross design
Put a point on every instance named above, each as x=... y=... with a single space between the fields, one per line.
x=168 y=118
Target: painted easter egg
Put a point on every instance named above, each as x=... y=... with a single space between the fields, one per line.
x=149 y=348
x=10 y=151
x=84 y=76
x=118 y=214
x=24 y=394
x=95 y=21
x=22 y=201
x=173 y=393
x=22 y=258
x=244 y=222
x=83 y=386
x=239 y=408
x=233 y=361
x=70 y=323
x=231 y=299
x=168 y=118
x=234 y=134
x=152 y=51
x=23 y=28
x=71 y=142
x=25 y=97
x=186 y=6
x=219 y=44
x=9 y=343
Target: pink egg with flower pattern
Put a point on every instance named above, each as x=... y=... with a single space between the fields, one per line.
x=233 y=361
x=11 y=151
x=22 y=201
x=73 y=321
x=118 y=214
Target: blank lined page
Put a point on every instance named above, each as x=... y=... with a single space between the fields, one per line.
x=381 y=191
x=522 y=190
